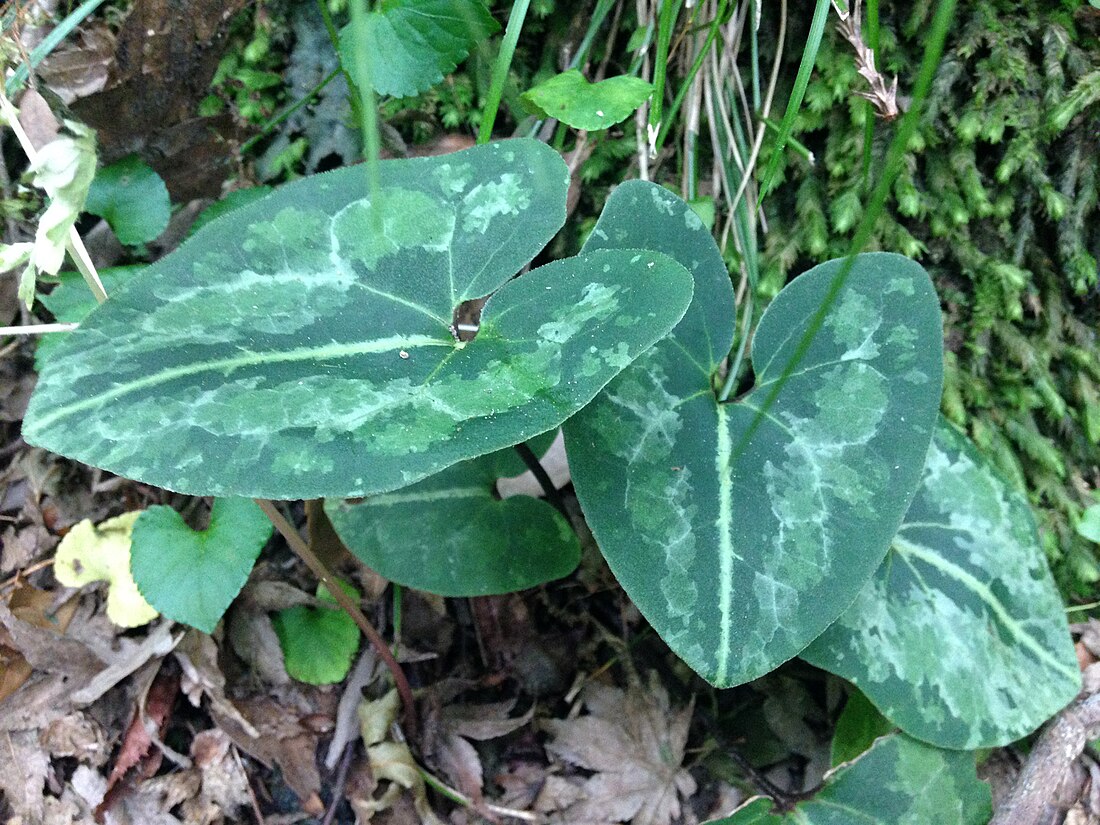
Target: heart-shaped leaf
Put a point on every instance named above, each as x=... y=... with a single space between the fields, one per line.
x=301 y=346
x=132 y=198
x=741 y=534
x=409 y=45
x=960 y=638
x=193 y=576
x=859 y=725
x=451 y=535
x=1089 y=524
x=899 y=781
x=570 y=98
x=318 y=642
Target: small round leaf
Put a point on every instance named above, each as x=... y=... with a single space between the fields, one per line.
x=132 y=198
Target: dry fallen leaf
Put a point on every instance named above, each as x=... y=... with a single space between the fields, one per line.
x=634 y=743
x=391 y=764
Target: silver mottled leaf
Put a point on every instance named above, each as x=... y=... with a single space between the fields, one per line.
x=960 y=638
x=300 y=346
x=742 y=535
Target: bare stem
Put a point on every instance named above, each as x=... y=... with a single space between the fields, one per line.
x=317 y=567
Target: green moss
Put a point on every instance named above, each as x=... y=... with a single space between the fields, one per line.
x=999 y=199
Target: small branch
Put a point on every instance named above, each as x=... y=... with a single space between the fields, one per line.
x=317 y=567
x=339 y=785
x=1034 y=798
x=465 y=801
x=542 y=477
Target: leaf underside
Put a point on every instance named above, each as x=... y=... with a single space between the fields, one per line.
x=899 y=781
x=451 y=535
x=741 y=546
x=300 y=347
x=960 y=638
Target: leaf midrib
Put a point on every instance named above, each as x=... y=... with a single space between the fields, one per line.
x=248 y=359
x=968 y=580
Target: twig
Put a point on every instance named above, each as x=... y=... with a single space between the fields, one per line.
x=1032 y=800
x=542 y=477
x=338 y=785
x=256 y=812
x=322 y=573
x=465 y=801
x=784 y=799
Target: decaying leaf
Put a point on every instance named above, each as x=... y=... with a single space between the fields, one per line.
x=102 y=553
x=64 y=169
x=23 y=768
x=451 y=752
x=634 y=743
x=391 y=763
x=282 y=739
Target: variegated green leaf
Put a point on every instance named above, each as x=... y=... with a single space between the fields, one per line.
x=301 y=346
x=741 y=545
x=960 y=638
x=450 y=534
x=899 y=781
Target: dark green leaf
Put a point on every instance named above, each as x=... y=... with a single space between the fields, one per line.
x=741 y=545
x=132 y=198
x=899 y=781
x=192 y=577
x=859 y=725
x=318 y=642
x=409 y=45
x=71 y=301
x=452 y=536
x=960 y=638
x=301 y=346
x=234 y=200
x=570 y=98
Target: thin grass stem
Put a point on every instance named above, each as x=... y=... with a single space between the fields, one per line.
x=500 y=69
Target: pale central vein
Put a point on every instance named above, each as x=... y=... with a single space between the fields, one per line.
x=982 y=591
x=388 y=499
x=247 y=359
x=725 y=542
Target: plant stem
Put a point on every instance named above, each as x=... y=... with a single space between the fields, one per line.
x=665 y=23
x=735 y=367
x=334 y=38
x=288 y=111
x=500 y=68
x=895 y=157
x=446 y=790
x=317 y=567
x=542 y=477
